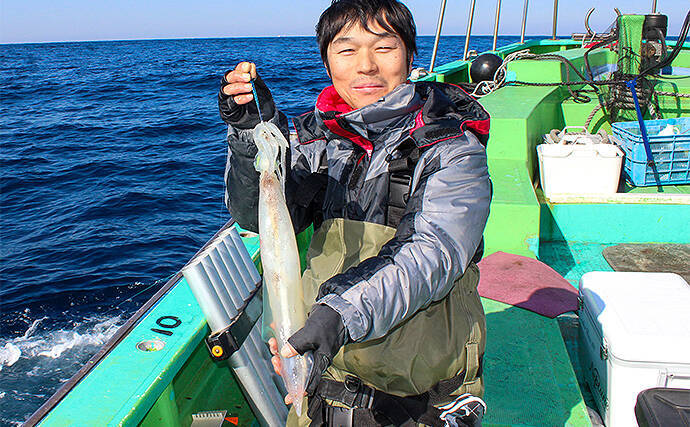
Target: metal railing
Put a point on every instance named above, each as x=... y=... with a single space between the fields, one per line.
x=555 y=19
x=524 y=22
x=470 y=19
x=438 y=34
x=498 y=16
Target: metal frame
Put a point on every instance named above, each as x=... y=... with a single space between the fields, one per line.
x=524 y=22
x=498 y=17
x=438 y=35
x=470 y=18
x=555 y=19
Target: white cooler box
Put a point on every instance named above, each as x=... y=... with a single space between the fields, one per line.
x=634 y=335
x=578 y=164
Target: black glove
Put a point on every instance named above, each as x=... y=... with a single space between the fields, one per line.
x=246 y=116
x=323 y=333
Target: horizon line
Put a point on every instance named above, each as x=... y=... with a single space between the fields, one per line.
x=248 y=37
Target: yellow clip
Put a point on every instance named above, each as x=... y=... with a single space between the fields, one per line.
x=217 y=350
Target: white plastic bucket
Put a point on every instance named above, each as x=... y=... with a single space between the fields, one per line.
x=579 y=168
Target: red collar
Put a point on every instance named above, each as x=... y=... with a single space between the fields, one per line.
x=330 y=100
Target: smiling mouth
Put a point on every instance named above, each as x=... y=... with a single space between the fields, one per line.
x=368 y=88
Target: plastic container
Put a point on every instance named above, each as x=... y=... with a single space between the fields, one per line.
x=670 y=152
x=634 y=335
x=663 y=407
x=579 y=165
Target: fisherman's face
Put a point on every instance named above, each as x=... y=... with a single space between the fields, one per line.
x=364 y=66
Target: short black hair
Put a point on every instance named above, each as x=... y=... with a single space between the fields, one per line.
x=391 y=15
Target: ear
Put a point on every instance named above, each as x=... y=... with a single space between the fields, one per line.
x=409 y=65
x=328 y=70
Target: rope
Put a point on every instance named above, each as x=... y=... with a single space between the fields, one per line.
x=584 y=82
x=652 y=111
x=619 y=97
x=591 y=115
x=488 y=86
x=673 y=94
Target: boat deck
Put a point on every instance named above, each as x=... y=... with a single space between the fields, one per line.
x=528 y=375
x=533 y=374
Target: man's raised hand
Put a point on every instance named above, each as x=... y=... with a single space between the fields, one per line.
x=238 y=82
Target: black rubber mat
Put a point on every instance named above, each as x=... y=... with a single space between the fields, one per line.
x=650 y=257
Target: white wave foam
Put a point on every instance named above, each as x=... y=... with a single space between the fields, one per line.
x=9 y=354
x=53 y=344
x=33 y=327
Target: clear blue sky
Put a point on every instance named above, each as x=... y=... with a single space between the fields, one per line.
x=67 y=20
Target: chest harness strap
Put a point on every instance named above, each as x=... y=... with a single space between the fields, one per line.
x=400 y=173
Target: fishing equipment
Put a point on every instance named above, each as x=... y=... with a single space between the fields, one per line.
x=227 y=286
x=640 y=43
x=643 y=130
x=484 y=67
x=256 y=99
x=653 y=48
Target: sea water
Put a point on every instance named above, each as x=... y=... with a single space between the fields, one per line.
x=111 y=177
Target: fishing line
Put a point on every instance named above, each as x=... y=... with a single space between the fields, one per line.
x=256 y=99
x=129 y=299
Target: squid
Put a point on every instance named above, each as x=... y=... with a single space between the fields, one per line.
x=279 y=255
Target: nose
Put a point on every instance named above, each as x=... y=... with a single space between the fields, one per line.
x=366 y=63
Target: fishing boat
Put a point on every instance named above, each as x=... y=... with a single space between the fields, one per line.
x=168 y=365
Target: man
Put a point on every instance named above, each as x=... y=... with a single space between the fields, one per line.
x=393 y=176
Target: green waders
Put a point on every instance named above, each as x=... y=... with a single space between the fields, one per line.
x=437 y=343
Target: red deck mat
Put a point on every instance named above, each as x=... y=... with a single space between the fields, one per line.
x=526 y=283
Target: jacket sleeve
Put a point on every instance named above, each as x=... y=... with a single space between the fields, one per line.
x=433 y=245
x=242 y=180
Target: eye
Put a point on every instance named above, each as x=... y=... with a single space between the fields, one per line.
x=385 y=48
x=346 y=51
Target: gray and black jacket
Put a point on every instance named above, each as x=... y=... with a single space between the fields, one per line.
x=343 y=165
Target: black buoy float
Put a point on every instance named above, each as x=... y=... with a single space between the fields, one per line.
x=484 y=67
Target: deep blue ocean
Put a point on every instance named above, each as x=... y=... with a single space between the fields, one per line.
x=111 y=177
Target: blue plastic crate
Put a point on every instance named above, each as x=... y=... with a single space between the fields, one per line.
x=670 y=153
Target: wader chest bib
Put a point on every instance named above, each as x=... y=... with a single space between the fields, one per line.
x=439 y=342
